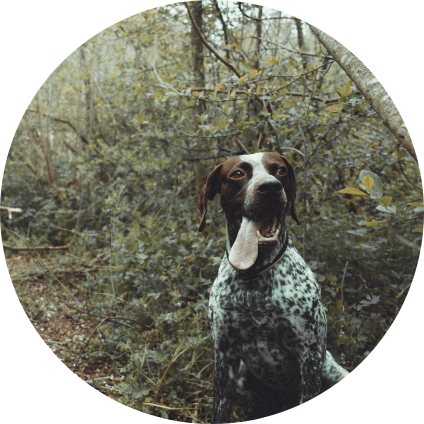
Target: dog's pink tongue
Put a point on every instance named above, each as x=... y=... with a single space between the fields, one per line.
x=245 y=249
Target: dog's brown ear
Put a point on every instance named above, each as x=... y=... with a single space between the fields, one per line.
x=208 y=192
x=292 y=194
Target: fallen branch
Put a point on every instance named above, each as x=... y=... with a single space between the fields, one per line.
x=10 y=210
x=16 y=249
x=404 y=240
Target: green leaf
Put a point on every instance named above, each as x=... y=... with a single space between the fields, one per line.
x=388 y=209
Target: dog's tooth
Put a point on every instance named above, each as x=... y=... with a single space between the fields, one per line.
x=258 y=234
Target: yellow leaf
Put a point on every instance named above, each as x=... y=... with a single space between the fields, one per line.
x=339 y=304
x=149 y=222
x=373 y=223
x=253 y=73
x=273 y=60
x=418 y=229
x=347 y=90
x=243 y=79
x=282 y=116
x=220 y=87
x=351 y=190
x=283 y=92
x=368 y=182
x=417 y=204
x=334 y=109
x=385 y=201
x=171 y=77
x=136 y=229
x=288 y=103
x=298 y=245
x=223 y=230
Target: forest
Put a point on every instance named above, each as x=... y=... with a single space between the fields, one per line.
x=99 y=217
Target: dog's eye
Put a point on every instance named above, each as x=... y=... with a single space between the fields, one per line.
x=237 y=175
x=282 y=172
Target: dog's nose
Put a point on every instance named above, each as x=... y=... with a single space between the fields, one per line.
x=269 y=185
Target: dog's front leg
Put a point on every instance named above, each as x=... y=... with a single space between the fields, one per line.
x=311 y=364
x=224 y=385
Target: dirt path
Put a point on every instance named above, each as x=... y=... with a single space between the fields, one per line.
x=61 y=327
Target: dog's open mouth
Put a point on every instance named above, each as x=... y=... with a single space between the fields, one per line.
x=269 y=231
x=252 y=233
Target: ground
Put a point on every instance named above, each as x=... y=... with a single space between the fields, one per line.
x=60 y=326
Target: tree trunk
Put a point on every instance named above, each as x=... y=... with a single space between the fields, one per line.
x=196 y=8
x=369 y=86
x=301 y=40
x=257 y=64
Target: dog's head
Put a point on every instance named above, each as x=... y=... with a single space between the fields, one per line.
x=254 y=186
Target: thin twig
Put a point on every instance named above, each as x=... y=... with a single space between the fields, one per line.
x=91 y=335
x=404 y=290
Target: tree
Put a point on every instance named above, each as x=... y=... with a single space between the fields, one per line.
x=369 y=86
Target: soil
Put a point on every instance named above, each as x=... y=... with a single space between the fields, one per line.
x=60 y=326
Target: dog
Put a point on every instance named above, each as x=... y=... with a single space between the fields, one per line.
x=268 y=323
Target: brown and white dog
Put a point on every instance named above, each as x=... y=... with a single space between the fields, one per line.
x=268 y=324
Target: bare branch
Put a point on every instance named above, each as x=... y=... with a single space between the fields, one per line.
x=83 y=139
x=262 y=19
x=318 y=99
x=202 y=37
x=224 y=27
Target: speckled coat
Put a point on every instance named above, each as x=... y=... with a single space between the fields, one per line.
x=269 y=333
